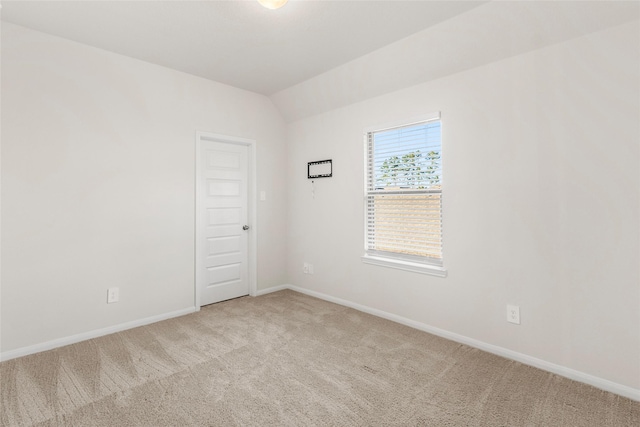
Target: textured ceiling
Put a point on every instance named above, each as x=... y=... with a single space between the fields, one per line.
x=238 y=43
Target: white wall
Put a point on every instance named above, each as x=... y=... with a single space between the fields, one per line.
x=541 y=205
x=98 y=185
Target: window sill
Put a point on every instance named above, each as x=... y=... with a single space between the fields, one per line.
x=432 y=270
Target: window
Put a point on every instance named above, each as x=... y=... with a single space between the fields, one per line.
x=403 y=197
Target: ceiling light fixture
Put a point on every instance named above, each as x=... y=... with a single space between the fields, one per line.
x=273 y=4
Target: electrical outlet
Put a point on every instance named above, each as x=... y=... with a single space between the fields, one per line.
x=513 y=314
x=113 y=295
x=305 y=268
x=310 y=268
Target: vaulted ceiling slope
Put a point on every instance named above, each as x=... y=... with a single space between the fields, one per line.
x=314 y=56
x=239 y=43
x=489 y=33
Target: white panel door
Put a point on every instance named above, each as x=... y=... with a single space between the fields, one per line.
x=224 y=205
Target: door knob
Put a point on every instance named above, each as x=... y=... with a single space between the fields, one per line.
x=245 y=227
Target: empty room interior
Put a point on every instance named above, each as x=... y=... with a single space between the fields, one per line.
x=320 y=213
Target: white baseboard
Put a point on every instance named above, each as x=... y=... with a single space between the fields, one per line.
x=272 y=289
x=582 y=377
x=598 y=382
x=60 y=342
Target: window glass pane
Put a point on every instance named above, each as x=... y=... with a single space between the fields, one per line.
x=404 y=193
x=407 y=157
x=405 y=224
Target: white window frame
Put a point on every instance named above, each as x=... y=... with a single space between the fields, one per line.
x=397 y=260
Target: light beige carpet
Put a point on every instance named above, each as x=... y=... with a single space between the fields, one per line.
x=286 y=359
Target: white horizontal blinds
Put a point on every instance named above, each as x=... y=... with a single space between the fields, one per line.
x=404 y=193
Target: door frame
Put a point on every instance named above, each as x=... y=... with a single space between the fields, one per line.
x=251 y=210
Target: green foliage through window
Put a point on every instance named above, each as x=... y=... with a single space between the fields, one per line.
x=411 y=170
